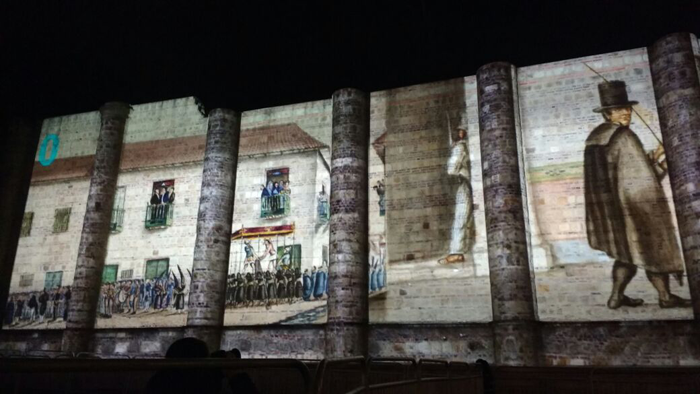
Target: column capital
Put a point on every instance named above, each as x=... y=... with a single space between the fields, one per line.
x=347 y=93
x=493 y=67
x=224 y=112
x=673 y=40
x=115 y=109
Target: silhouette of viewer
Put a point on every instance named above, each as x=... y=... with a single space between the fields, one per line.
x=175 y=381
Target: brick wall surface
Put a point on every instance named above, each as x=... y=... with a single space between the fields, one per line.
x=459 y=342
x=271 y=342
x=621 y=343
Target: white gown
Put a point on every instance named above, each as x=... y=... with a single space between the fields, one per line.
x=458 y=165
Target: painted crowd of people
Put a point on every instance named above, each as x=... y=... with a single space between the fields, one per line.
x=276 y=188
x=275 y=287
x=163 y=195
x=38 y=307
x=131 y=296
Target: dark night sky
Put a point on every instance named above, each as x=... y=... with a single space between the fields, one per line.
x=63 y=59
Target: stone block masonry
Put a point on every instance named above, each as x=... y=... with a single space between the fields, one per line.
x=349 y=269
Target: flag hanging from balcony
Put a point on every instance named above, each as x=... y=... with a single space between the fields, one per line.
x=255 y=232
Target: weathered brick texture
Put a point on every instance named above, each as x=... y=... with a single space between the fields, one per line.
x=213 y=242
x=677 y=89
x=620 y=343
x=511 y=287
x=348 y=270
x=468 y=342
x=93 y=242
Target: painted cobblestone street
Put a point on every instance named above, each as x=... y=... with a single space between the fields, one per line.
x=298 y=312
x=581 y=291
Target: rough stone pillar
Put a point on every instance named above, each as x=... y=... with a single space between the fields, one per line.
x=205 y=315
x=92 y=251
x=511 y=285
x=674 y=73
x=348 y=313
x=16 y=163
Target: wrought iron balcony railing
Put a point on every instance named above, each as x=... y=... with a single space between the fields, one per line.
x=159 y=215
x=324 y=212
x=117 y=221
x=275 y=206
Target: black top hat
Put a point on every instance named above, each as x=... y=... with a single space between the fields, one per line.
x=613 y=94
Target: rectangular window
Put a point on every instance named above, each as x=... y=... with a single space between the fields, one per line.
x=289 y=257
x=324 y=209
x=278 y=177
x=163 y=192
x=109 y=273
x=156 y=268
x=53 y=280
x=117 y=221
x=26 y=224
x=26 y=280
x=126 y=274
x=61 y=220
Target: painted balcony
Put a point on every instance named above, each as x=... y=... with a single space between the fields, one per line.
x=324 y=211
x=117 y=221
x=159 y=216
x=272 y=207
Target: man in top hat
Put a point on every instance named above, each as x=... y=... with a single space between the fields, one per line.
x=627 y=213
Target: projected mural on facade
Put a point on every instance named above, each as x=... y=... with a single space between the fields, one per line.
x=147 y=274
x=627 y=214
x=601 y=229
x=40 y=288
x=278 y=268
x=428 y=259
x=603 y=238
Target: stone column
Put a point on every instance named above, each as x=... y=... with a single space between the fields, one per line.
x=348 y=313
x=511 y=285
x=92 y=251
x=674 y=72
x=205 y=315
x=16 y=163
